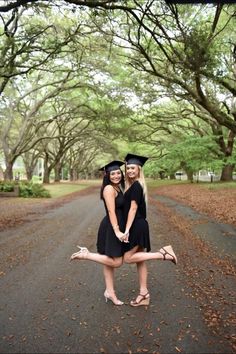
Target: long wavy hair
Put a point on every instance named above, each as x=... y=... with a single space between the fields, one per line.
x=106 y=181
x=141 y=179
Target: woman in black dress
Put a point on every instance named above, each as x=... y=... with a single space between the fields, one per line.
x=137 y=229
x=110 y=235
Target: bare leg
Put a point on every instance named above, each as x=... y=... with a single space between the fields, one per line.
x=109 y=281
x=84 y=254
x=136 y=256
x=108 y=273
x=142 y=277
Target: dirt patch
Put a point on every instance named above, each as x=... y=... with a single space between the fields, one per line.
x=219 y=204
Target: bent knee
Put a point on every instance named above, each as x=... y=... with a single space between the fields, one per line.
x=118 y=262
x=127 y=258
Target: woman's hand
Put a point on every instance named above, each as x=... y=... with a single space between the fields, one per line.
x=126 y=239
x=120 y=235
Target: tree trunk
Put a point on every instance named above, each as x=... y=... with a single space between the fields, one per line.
x=30 y=164
x=29 y=173
x=46 y=176
x=227 y=173
x=190 y=176
x=57 y=171
x=8 y=173
x=73 y=174
x=172 y=176
x=162 y=174
x=1 y=173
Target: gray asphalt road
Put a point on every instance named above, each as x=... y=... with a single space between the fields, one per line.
x=49 y=305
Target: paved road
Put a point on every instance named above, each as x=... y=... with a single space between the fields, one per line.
x=48 y=305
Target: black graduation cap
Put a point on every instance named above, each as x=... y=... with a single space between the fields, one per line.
x=112 y=166
x=135 y=159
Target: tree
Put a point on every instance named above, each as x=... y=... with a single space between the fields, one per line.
x=167 y=124
x=179 y=51
x=30 y=159
x=23 y=118
x=26 y=46
x=185 y=56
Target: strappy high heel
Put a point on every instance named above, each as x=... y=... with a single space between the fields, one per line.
x=82 y=249
x=144 y=301
x=170 y=252
x=112 y=299
x=82 y=254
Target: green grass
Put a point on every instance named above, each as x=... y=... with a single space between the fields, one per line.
x=212 y=186
x=220 y=185
x=59 y=189
x=154 y=183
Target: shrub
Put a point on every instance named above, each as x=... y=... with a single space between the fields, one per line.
x=36 y=179
x=27 y=189
x=33 y=190
x=7 y=186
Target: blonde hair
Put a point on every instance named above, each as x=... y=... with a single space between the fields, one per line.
x=141 y=180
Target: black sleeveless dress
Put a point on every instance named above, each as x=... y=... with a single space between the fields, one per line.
x=107 y=242
x=139 y=231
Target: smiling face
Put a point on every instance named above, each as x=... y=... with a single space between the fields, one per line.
x=115 y=176
x=132 y=171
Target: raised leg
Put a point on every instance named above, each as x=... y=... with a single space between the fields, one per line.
x=84 y=254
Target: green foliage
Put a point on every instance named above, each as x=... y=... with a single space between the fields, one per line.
x=36 y=179
x=104 y=107
x=7 y=186
x=33 y=190
x=231 y=160
x=191 y=154
x=198 y=52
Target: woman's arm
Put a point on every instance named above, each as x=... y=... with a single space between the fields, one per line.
x=109 y=197
x=131 y=215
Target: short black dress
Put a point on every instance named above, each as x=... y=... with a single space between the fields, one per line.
x=139 y=231
x=107 y=242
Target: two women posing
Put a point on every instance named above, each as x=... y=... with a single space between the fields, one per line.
x=123 y=235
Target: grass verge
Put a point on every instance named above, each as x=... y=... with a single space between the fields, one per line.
x=154 y=183
x=220 y=185
x=60 y=189
x=211 y=186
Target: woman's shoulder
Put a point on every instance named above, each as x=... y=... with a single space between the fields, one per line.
x=108 y=189
x=135 y=186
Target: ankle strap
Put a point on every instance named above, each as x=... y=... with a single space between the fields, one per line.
x=144 y=296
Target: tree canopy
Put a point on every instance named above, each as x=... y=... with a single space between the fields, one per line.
x=84 y=81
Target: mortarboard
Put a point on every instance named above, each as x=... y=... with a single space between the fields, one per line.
x=112 y=166
x=135 y=159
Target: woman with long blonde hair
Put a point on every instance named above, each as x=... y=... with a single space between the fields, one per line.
x=137 y=229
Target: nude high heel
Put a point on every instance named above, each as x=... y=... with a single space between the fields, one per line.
x=112 y=299
x=82 y=254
